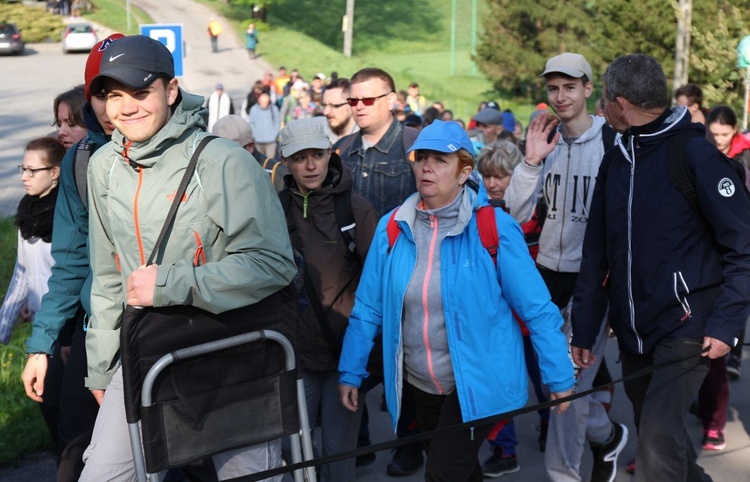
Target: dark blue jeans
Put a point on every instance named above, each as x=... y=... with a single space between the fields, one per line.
x=661 y=401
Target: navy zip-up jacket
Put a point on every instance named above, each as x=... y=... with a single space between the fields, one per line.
x=665 y=270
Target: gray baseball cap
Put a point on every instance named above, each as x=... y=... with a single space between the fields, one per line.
x=573 y=65
x=303 y=134
x=489 y=115
x=235 y=128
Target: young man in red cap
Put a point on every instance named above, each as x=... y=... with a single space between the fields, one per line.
x=67 y=301
x=228 y=247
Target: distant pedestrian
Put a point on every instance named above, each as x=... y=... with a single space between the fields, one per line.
x=214 y=30
x=265 y=123
x=219 y=105
x=251 y=40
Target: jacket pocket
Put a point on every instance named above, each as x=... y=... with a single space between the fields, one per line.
x=681 y=292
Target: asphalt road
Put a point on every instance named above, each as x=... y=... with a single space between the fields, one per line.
x=29 y=84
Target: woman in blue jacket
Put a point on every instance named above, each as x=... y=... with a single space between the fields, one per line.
x=445 y=310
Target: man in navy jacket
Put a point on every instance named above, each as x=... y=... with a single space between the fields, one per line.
x=676 y=278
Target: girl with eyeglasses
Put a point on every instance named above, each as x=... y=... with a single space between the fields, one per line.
x=40 y=170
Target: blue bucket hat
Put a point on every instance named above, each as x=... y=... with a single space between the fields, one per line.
x=443 y=136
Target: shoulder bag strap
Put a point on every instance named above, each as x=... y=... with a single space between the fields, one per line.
x=178 y=197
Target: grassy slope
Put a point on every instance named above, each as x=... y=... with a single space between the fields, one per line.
x=411 y=40
x=112 y=13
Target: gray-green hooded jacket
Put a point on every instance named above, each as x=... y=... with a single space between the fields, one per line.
x=229 y=246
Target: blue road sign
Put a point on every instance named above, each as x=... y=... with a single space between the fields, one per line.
x=171 y=36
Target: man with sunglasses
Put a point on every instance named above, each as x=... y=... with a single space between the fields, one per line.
x=382 y=174
x=377 y=153
x=337 y=111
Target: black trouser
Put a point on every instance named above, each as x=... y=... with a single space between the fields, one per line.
x=451 y=457
x=78 y=409
x=661 y=401
x=560 y=285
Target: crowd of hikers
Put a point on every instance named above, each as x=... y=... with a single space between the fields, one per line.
x=452 y=261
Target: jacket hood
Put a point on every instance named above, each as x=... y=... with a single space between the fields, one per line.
x=740 y=142
x=596 y=125
x=188 y=114
x=89 y=118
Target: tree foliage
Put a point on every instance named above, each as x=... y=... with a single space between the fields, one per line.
x=520 y=35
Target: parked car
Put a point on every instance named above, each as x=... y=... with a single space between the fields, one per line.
x=10 y=39
x=78 y=37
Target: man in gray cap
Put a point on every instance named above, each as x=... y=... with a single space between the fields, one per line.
x=490 y=121
x=564 y=171
x=235 y=128
x=216 y=258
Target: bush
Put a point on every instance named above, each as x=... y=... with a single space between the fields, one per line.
x=36 y=24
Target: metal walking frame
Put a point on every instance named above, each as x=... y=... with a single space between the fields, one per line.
x=301 y=443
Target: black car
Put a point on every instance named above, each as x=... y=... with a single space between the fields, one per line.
x=10 y=39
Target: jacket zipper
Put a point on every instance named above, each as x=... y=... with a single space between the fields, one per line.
x=136 y=220
x=564 y=212
x=425 y=307
x=631 y=303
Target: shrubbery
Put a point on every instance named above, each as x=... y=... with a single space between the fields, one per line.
x=36 y=24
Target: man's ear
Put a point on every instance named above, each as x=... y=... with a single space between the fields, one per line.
x=173 y=91
x=588 y=89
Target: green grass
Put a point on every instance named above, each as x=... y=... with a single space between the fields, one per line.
x=113 y=14
x=22 y=429
x=410 y=40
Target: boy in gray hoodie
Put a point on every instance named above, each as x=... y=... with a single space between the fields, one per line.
x=562 y=161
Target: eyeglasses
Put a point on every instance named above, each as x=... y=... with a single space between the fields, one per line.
x=366 y=101
x=336 y=106
x=22 y=170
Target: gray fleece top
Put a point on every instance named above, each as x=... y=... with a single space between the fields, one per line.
x=427 y=359
x=566 y=178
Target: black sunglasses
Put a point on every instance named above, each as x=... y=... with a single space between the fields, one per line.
x=335 y=106
x=367 y=101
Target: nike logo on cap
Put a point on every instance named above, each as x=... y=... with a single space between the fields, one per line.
x=112 y=59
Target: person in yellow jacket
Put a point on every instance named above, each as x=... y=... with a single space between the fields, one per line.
x=214 y=30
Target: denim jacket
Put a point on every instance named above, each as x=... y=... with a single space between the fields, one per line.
x=383 y=173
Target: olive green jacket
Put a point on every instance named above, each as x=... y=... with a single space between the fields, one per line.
x=229 y=246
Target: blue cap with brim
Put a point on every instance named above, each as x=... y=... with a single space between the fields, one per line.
x=443 y=136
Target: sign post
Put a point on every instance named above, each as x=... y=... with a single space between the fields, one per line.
x=171 y=36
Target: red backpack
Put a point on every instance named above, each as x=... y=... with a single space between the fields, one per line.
x=485 y=224
x=487 y=227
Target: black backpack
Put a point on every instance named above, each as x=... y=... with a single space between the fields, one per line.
x=683 y=177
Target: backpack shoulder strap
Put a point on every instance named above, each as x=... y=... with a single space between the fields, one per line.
x=342 y=207
x=80 y=170
x=487 y=226
x=345 y=143
x=393 y=230
x=680 y=174
x=273 y=172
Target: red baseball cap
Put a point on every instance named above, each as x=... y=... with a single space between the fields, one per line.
x=93 y=62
